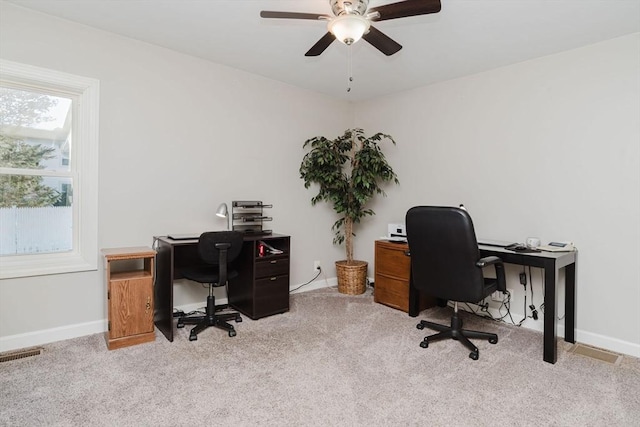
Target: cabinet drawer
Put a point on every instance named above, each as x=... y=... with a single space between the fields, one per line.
x=392 y=261
x=271 y=296
x=391 y=292
x=392 y=274
x=272 y=267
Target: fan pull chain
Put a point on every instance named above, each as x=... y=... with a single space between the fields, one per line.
x=349 y=67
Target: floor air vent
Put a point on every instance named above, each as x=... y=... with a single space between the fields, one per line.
x=596 y=353
x=21 y=354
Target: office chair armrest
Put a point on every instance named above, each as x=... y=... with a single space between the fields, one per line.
x=486 y=261
x=497 y=263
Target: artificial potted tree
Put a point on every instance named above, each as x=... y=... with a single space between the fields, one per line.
x=348 y=171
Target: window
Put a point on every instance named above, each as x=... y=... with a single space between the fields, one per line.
x=48 y=171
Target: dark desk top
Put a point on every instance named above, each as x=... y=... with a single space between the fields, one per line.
x=246 y=238
x=534 y=259
x=529 y=258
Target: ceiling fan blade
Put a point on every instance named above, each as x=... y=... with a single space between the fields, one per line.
x=292 y=15
x=381 y=41
x=321 y=45
x=405 y=8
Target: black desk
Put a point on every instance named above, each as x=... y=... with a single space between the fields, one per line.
x=261 y=288
x=552 y=263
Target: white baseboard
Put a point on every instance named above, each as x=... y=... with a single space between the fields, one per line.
x=46 y=336
x=36 y=338
x=608 y=343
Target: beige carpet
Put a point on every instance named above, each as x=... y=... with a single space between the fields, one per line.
x=333 y=360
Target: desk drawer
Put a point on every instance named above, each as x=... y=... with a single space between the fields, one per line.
x=271 y=296
x=272 y=267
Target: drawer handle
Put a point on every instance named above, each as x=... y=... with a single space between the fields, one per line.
x=273 y=262
x=273 y=278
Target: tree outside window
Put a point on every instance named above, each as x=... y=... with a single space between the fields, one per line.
x=19 y=190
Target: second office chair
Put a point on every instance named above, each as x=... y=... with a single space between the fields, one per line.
x=446 y=264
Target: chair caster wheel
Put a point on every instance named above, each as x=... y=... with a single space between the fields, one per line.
x=232 y=333
x=193 y=337
x=493 y=341
x=420 y=326
x=180 y=325
x=424 y=344
x=474 y=355
x=238 y=319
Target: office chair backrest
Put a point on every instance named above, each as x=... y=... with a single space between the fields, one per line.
x=444 y=252
x=211 y=242
x=220 y=248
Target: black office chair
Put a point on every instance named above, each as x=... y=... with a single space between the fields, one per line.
x=446 y=264
x=216 y=249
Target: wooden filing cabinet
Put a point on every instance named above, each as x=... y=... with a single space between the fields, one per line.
x=392 y=273
x=262 y=286
x=129 y=278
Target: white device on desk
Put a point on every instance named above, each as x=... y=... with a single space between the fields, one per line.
x=558 y=247
x=397 y=232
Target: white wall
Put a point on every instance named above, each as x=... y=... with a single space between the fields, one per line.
x=547 y=148
x=178 y=136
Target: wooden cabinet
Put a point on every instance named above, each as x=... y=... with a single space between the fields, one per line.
x=262 y=286
x=392 y=272
x=129 y=278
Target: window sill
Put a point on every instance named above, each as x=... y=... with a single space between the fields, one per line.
x=45 y=264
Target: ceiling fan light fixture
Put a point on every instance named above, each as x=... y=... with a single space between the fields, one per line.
x=349 y=28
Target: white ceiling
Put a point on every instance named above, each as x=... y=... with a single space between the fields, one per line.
x=466 y=37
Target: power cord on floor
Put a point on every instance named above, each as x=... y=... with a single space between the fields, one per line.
x=484 y=313
x=180 y=313
x=534 y=312
x=305 y=284
x=507 y=304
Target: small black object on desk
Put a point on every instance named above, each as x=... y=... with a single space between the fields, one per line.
x=519 y=247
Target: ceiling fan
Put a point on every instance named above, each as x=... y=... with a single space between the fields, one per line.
x=352 y=20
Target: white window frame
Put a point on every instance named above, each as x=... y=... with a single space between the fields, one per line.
x=85 y=131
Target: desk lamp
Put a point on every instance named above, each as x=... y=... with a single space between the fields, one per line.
x=223 y=212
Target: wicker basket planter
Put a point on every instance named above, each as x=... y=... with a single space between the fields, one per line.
x=352 y=277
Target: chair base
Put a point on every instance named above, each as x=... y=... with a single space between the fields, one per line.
x=210 y=319
x=456 y=332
